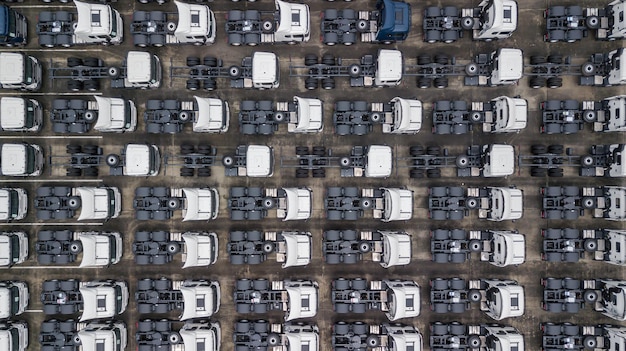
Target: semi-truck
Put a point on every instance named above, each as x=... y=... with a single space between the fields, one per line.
x=13 y=27
x=20 y=114
x=20 y=71
x=14 y=297
x=21 y=160
x=13 y=248
x=13 y=204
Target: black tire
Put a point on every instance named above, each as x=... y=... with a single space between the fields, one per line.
x=192 y=84
x=302 y=173
x=310 y=60
x=74 y=61
x=74 y=85
x=416 y=150
x=424 y=60
x=537 y=82
x=91 y=85
x=423 y=82
x=433 y=173
x=73 y=149
x=555 y=82
x=555 y=172
x=537 y=60
x=90 y=172
x=73 y=172
x=91 y=62
x=556 y=59
x=193 y=61
x=416 y=173
x=433 y=150
x=442 y=59
x=538 y=172
x=555 y=149
x=440 y=83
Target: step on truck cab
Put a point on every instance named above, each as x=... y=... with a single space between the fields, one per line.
x=13 y=204
x=20 y=114
x=21 y=160
x=13 y=27
x=20 y=71
x=14 y=335
x=14 y=298
x=13 y=248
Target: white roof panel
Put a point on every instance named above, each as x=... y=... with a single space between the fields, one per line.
x=12 y=111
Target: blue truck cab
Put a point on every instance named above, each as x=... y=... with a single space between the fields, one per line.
x=394 y=21
x=13 y=27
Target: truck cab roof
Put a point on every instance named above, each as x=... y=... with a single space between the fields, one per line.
x=210 y=116
x=13 y=159
x=398 y=204
x=396 y=20
x=137 y=159
x=616 y=199
x=310 y=115
x=259 y=161
x=506 y=204
x=298 y=204
x=505 y=338
x=96 y=203
x=98 y=338
x=501 y=160
x=511 y=114
x=200 y=204
x=112 y=114
x=11 y=68
x=193 y=20
x=616 y=110
x=97 y=249
x=201 y=249
x=294 y=21
x=138 y=67
x=6 y=248
x=12 y=112
x=302 y=340
x=100 y=301
x=405 y=299
x=264 y=68
x=200 y=301
x=617 y=241
x=201 y=339
x=396 y=249
x=618 y=167
x=298 y=249
x=510 y=65
x=389 y=67
x=379 y=161
x=93 y=20
x=302 y=300
x=509 y=248
x=617 y=74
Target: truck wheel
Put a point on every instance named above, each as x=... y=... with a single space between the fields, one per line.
x=589 y=116
x=424 y=60
x=441 y=59
x=74 y=61
x=537 y=172
x=555 y=82
x=593 y=22
x=588 y=69
x=555 y=172
x=92 y=85
x=235 y=15
x=432 y=12
x=209 y=84
x=234 y=72
x=91 y=62
x=328 y=83
x=471 y=69
x=91 y=172
x=302 y=150
x=310 y=83
x=556 y=11
x=140 y=16
x=157 y=16
x=423 y=82
x=416 y=173
x=537 y=82
x=157 y=40
x=433 y=173
x=556 y=59
x=537 y=60
x=328 y=60
x=416 y=150
x=310 y=60
x=348 y=38
x=46 y=41
x=440 y=83
x=74 y=85
x=193 y=61
x=302 y=173
x=193 y=84
x=186 y=172
x=73 y=172
x=331 y=38
x=555 y=149
x=252 y=39
x=450 y=36
x=538 y=149
x=235 y=39
x=140 y=40
x=362 y=26
x=432 y=36
x=467 y=23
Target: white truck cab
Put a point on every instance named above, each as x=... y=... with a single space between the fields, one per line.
x=201 y=249
x=20 y=114
x=498 y=19
x=259 y=161
x=13 y=204
x=309 y=117
x=13 y=248
x=99 y=202
x=504 y=204
x=504 y=338
x=615 y=197
x=211 y=116
x=115 y=115
x=20 y=71
x=21 y=160
x=617 y=168
x=507 y=66
x=100 y=249
x=507 y=248
x=141 y=160
x=504 y=299
x=298 y=248
x=196 y=24
x=614 y=114
x=613 y=299
x=498 y=160
x=510 y=115
x=396 y=249
x=406 y=117
x=101 y=336
x=379 y=161
x=14 y=335
x=97 y=24
x=389 y=68
x=143 y=70
x=398 y=204
x=302 y=299
x=297 y=204
x=617 y=72
x=200 y=204
x=404 y=299
x=265 y=70
x=294 y=23
x=102 y=300
x=14 y=298
x=301 y=337
x=201 y=299
x=198 y=336
x=615 y=240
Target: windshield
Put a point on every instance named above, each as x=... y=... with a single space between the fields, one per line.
x=113 y=24
x=112 y=248
x=15 y=248
x=28 y=70
x=111 y=195
x=15 y=300
x=30 y=114
x=118 y=299
x=15 y=339
x=30 y=159
x=127 y=114
x=153 y=70
x=14 y=203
